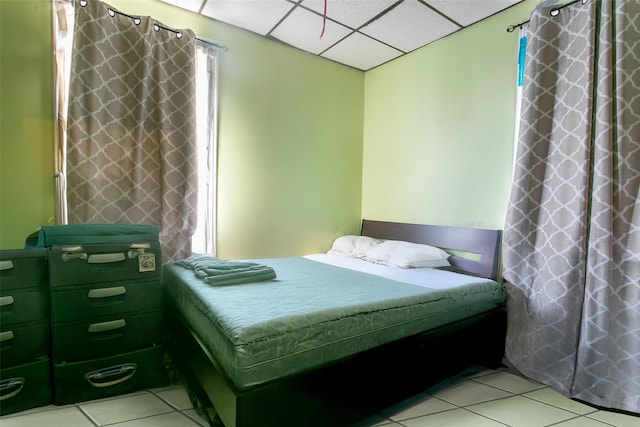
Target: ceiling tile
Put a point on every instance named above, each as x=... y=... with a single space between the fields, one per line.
x=362 y=52
x=466 y=12
x=302 y=29
x=352 y=13
x=192 y=5
x=259 y=16
x=409 y=26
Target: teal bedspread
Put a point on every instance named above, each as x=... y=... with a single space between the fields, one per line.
x=219 y=272
x=314 y=313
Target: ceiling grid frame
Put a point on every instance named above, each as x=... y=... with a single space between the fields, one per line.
x=362 y=34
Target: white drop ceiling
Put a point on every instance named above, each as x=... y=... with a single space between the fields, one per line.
x=362 y=34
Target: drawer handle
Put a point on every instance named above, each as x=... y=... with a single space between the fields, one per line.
x=95 y=328
x=107 y=292
x=6 y=265
x=8 y=300
x=138 y=249
x=140 y=246
x=106 y=258
x=10 y=387
x=73 y=252
x=6 y=336
x=111 y=376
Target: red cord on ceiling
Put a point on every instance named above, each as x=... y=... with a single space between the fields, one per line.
x=324 y=18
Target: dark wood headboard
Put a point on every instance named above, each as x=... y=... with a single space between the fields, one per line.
x=481 y=242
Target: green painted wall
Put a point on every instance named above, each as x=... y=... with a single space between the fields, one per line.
x=290 y=137
x=306 y=146
x=439 y=124
x=26 y=120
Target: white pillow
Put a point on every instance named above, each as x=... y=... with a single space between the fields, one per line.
x=407 y=255
x=354 y=246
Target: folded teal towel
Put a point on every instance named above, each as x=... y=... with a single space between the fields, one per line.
x=219 y=272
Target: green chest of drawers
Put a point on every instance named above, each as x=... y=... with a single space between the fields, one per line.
x=25 y=380
x=106 y=319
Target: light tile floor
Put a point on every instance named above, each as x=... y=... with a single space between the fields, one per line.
x=485 y=399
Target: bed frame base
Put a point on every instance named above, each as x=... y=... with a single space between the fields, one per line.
x=346 y=391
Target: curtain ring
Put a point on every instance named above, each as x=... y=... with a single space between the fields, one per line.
x=179 y=34
x=554 y=12
x=111 y=12
x=156 y=26
x=137 y=21
x=83 y=3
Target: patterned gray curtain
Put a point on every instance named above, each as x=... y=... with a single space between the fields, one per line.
x=572 y=236
x=131 y=125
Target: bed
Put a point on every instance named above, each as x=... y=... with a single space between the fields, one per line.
x=335 y=339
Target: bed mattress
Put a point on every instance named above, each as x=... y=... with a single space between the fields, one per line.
x=314 y=313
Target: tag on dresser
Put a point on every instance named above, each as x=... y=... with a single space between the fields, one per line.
x=146 y=262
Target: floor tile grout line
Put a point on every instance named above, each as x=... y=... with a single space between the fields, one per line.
x=174 y=406
x=600 y=421
x=578 y=417
x=542 y=386
x=196 y=423
x=117 y=423
x=564 y=409
x=424 y=415
x=196 y=419
x=449 y=410
x=524 y=395
x=79 y=407
x=509 y=391
x=575 y=415
x=457 y=406
x=487 y=417
x=167 y=401
x=465 y=407
x=387 y=420
x=114 y=398
x=509 y=425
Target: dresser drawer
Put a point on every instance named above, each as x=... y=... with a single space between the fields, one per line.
x=23 y=305
x=109 y=376
x=25 y=386
x=23 y=268
x=105 y=335
x=104 y=299
x=102 y=263
x=23 y=341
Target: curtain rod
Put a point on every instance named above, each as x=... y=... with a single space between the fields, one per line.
x=214 y=44
x=157 y=25
x=552 y=12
